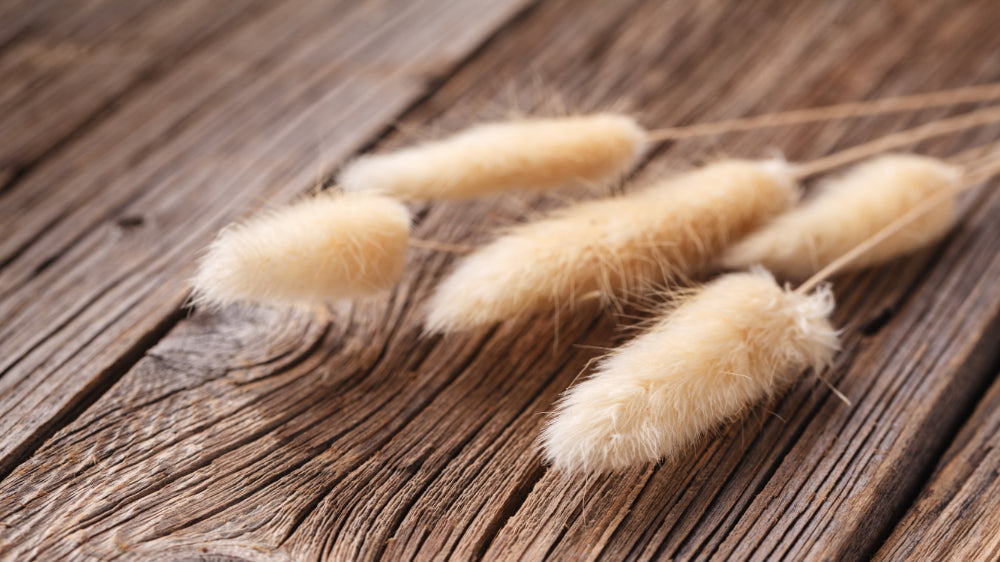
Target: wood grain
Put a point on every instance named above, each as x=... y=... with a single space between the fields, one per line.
x=95 y=254
x=347 y=434
x=957 y=514
x=73 y=61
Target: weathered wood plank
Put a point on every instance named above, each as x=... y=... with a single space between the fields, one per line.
x=268 y=436
x=100 y=239
x=74 y=60
x=957 y=514
x=17 y=17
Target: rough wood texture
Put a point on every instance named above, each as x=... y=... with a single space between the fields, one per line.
x=97 y=241
x=73 y=61
x=346 y=435
x=957 y=514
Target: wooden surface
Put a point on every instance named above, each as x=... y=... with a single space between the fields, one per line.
x=133 y=427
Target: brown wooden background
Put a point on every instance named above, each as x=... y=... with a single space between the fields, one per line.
x=132 y=427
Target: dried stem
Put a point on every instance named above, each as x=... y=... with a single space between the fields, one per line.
x=437 y=246
x=942 y=98
x=902 y=138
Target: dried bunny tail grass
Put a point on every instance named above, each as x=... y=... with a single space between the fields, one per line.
x=523 y=155
x=328 y=247
x=739 y=340
x=612 y=246
x=849 y=210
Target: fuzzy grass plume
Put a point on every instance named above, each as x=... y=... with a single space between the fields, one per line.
x=522 y=155
x=850 y=209
x=739 y=340
x=615 y=245
x=314 y=251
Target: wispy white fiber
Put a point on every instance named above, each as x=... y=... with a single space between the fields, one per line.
x=738 y=341
x=530 y=154
x=320 y=249
x=615 y=245
x=849 y=210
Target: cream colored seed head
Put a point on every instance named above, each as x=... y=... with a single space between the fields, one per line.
x=615 y=245
x=851 y=209
x=738 y=341
x=532 y=154
x=328 y=247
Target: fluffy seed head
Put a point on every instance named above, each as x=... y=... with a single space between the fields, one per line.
x=737 y=341
x=616 y=246
x=316 y=250
x=850 y=209
x=532 y=154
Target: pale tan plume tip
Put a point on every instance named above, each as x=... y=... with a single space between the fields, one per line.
x=850 y=209
x=523 y=155
x=738 y=341
x=317 y=250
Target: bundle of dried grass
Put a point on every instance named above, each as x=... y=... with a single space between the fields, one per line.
x=736 y=342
